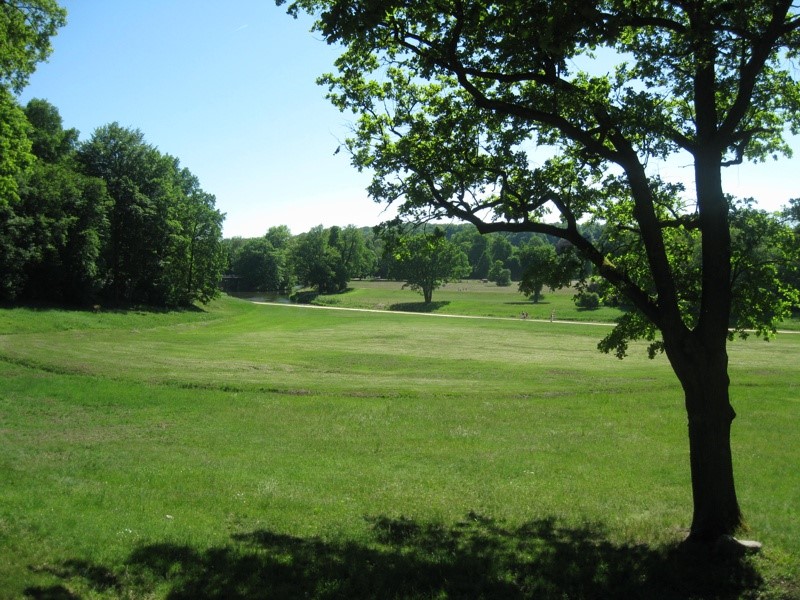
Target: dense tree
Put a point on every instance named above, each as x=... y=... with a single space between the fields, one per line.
x=135 y=174
x=317 y=263
x=357 y=258
x=455 y=99
x=26 y=27
x=15 y=148
x=543 y=266
x=280 y=237
x=261 y=266
x=62 y=226
x=50 y=142
x=53 y=230
x=475 y=246
x=195 y=257
x=426 y=261
x=164 y=233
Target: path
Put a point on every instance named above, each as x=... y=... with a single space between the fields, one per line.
x=423 y=314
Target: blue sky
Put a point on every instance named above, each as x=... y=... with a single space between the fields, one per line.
x=229 y=88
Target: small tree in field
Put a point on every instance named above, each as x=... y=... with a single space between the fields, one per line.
x=543 y=266
x=427 y=261
x=455 y=97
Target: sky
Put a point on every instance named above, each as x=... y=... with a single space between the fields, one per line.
x=226 y=87
x=229 y=89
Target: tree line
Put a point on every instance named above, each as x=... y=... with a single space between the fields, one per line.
x=327 y=259
x=110 y=220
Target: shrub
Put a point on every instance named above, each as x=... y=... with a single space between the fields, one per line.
x=503 y=278
x=587 y=300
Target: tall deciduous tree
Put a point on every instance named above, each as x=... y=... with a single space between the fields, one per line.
x=426 y=261
x=15 y=148
x=196 y=258
x=164 y=243
x=52 y=233
x=261 y=266
x=455 y=97
x=317 y=263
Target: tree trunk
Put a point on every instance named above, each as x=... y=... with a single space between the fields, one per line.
x=704 y=376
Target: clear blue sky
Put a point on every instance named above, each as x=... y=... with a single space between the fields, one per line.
x=229 y=88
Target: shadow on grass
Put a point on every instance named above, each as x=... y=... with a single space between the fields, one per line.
x=403 y=558
x=419 y=307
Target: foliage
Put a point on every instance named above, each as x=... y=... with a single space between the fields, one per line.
x=503 y=277
x=261 y=266
x=587 y=300
x=15 y=148
x=544 y=266
x=164 y=242
x=426 y=261
x=328 y=258
x=109 y=220
x=61 y=227
x=26 y=27
x=50 y=142
x=317 y=263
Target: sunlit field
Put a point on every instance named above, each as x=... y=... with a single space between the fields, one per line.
x=274 y=451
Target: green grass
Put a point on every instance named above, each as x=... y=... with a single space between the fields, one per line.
x=468 y=297
x=282 y=451
x=475 y=298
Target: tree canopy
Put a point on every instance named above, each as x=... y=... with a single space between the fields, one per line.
x=110 y=220
x=26 y=27
x=502 y=114
x=426 y=261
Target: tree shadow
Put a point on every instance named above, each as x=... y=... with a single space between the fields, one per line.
x=403 y=558
x=419 y=307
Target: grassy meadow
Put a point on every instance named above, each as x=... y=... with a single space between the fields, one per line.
x=274 y=451
x=468 y=297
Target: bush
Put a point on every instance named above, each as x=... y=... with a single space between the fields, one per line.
x=304 y=297
x=503 y=278
x=587 y=300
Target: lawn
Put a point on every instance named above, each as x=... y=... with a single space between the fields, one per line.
x=468 y=297
x=477 y=298
x=281 y=451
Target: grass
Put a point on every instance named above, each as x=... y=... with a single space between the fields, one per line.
x=468 y=297
x=279 y=451
x=475 y=298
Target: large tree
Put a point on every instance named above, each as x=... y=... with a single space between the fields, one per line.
x=543 y=266
x=317 y=263
x=426 y=261
x=499 y=113
x=164 y=241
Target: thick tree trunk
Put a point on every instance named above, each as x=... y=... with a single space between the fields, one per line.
x=704 y=377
